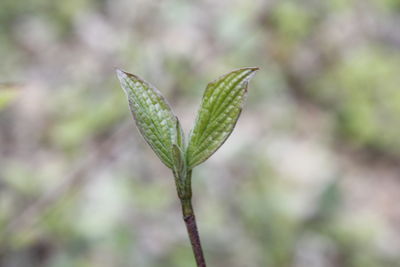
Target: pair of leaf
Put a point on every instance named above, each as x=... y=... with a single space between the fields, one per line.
x=219 y=111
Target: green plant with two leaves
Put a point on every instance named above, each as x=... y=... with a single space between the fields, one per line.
x=219 y=111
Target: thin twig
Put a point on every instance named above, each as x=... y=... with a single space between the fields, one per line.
x=191 y=227
x=184 y=188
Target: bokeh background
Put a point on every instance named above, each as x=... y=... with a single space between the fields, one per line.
x=310 y=176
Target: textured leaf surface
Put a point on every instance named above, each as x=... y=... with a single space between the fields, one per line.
x=219 y=111
x=153 y=116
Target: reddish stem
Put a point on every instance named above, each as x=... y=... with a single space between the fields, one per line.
x=191 y=226
x=195 y=240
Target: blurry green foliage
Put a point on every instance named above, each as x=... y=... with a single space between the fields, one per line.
x=292 y=20
x=7 y=95
x=363 y=89
x=388 y=5
x=59 y=13
x=76 y=123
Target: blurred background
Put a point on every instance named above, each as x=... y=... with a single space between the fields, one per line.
x=310 y=176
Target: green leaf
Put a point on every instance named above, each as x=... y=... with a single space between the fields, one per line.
x=179 y=166
x=219 y=111
x=180 y=137
x=153 y=116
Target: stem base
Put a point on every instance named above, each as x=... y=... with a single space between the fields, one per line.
x=191 y=227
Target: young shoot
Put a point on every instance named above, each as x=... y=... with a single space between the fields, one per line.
x=219 y=111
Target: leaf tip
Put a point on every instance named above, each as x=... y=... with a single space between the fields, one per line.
x=253 y=71
x=254 y=68
x=119 y=71
x=120 y=74
x=123 y=78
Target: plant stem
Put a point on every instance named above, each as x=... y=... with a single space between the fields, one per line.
x=191 y=226
x=184 y=188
